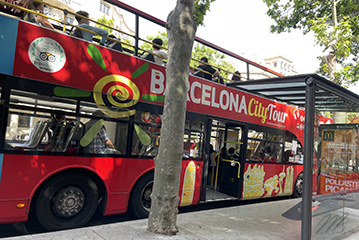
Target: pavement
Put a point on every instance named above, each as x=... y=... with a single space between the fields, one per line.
x=261 y=221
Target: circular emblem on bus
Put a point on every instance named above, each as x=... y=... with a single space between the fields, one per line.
x=47 y=55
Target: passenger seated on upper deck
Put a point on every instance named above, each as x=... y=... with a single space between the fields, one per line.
x=34 y=18
x=157 y=44
x=85 y=23
x=205 y=67
x=236 y=77
x=13 y=10
x=113 y=44
x=218 y=79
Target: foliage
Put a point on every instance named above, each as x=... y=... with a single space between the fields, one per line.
x=130 y=45
x=106 y=22
x=215 y=58
x=148 y=46
x=316 y=16
x=200 y=9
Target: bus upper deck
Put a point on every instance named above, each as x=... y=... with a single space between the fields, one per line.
x=48 y=54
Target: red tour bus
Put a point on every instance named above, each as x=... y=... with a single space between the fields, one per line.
x=53 y=86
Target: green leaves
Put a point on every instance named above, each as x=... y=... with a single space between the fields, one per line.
x=215 y=58
x=200 y=9
x=106 y=22
x=317 y=16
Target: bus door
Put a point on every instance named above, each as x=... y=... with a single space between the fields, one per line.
x=229 y=141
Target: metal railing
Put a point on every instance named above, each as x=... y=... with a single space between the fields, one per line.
x=139 y=14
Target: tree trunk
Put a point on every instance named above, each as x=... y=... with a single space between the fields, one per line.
x=164 y=200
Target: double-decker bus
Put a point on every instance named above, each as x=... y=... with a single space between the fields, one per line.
x=47 y=168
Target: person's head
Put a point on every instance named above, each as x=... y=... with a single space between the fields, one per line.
x=223 y=152
x=81 y=20
x=108 y=41
x=204 y=59
x=157 y=43
x=231 y=151
x=236 y=76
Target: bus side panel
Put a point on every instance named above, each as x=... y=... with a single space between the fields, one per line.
x=23 y=174
x=10 y=213
x=121 y=182
x=269 y=180
x=117 y=203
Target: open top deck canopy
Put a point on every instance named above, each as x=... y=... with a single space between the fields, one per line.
x=329 y=97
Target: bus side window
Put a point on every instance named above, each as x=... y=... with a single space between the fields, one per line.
x=62 y=141
x=264 y=147
x=26 y=136
x=146 y=138
x=192 y=141
x=103 y=135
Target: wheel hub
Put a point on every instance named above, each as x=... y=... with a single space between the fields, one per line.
x=300 y=186
x=68 y=202
x=146 y=196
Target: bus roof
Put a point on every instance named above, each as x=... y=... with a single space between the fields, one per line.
x=292 y=90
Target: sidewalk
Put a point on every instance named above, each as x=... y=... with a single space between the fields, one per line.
x=260 y=221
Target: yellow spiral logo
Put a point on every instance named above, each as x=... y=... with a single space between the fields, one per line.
x=119 y=92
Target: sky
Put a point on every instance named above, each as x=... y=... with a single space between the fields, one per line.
x=242 y=27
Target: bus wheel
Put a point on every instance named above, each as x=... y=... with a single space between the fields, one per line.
x=140 y=202
x=298 y=188
x=66 y=201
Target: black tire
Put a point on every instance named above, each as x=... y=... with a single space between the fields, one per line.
x=66 y=201
x=298 y=187
x=140 y=202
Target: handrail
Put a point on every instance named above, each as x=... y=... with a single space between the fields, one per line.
x=200 y=40
x=28 y=10
x=235 y=162
x=65 y=22
x=66 y=12
x=137 y=38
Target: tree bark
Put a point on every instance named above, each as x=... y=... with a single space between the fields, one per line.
x=164 y=200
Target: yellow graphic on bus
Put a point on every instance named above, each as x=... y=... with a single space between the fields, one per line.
x=253 y=182
x=271 y=185
x=91 y=133
x=288 y=189
x=121 y=93
x=188 y=184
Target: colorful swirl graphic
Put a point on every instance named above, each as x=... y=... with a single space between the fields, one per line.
x=118 y=91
